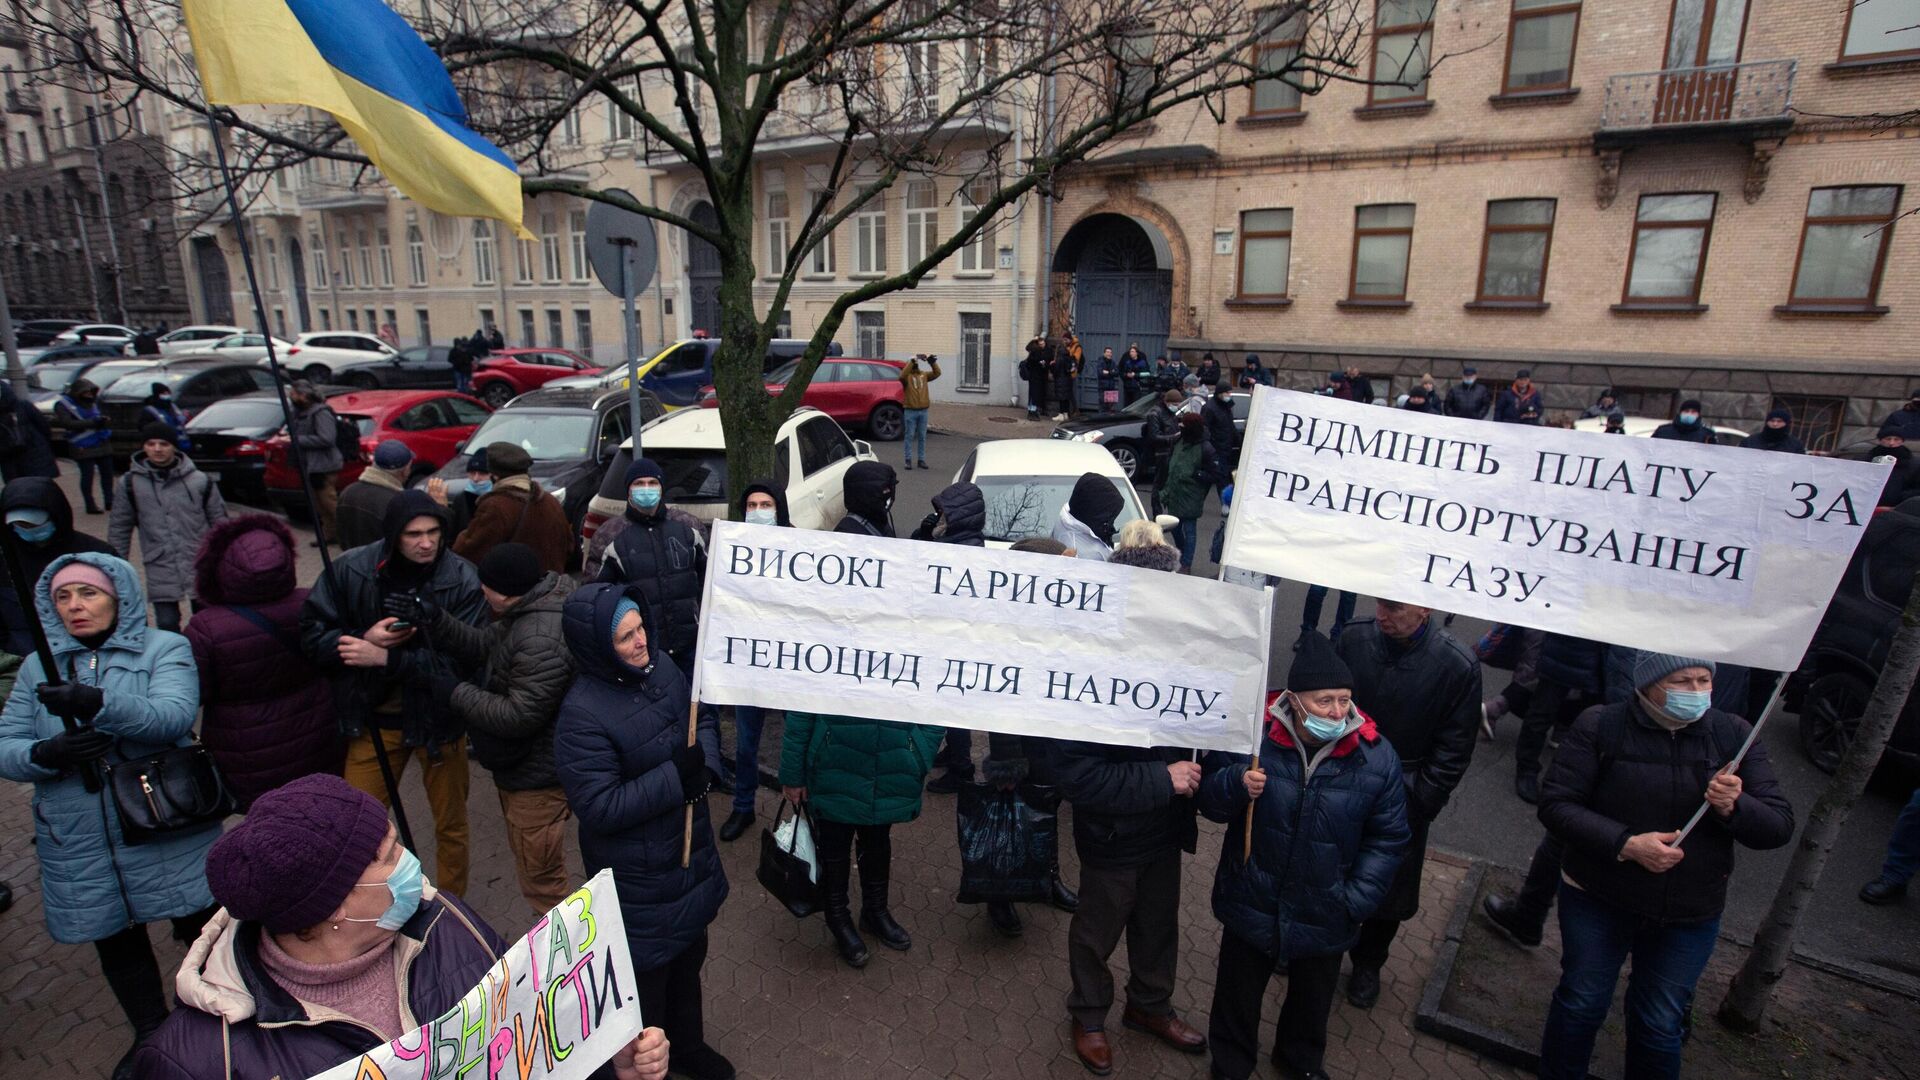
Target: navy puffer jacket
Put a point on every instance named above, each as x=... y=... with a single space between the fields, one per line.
x=1575 y=663
x=1325 y=846
x=613 y=750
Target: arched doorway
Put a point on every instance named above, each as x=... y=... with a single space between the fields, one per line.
x=216 y=288
x=1122 y=289
x=703 y=274
x=297 y=263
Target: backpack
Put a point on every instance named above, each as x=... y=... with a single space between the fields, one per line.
x=346 y=439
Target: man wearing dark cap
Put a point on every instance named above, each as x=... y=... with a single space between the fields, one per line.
x=1602 y=406
x=1329 y=834
x=314 y=431
x=516 y=509
x=511 y=712
x=1906 y=417
x=1467 y=397
x=1686 y=425
x=173 y=503
x=1890 y=447
x=665 y=556
x=1520 y=402
x=1776 y=435
x=1422 y=689
x=364 y=625
x=362 y=512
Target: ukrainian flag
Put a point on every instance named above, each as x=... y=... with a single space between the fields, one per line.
x=361 y=62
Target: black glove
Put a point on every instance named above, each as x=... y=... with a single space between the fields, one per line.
x=99 y=422
x=412 y=607
x=927 y=525
x=443 y=685
x=691 y=763
x=71 y=749
x=70 y=699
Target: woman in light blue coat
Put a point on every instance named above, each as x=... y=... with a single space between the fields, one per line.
x=134 y=692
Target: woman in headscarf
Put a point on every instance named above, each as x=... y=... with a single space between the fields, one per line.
x=622 y=754
x=1087 y=521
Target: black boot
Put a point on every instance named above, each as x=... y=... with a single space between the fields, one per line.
x=1060 y=896
x=876 y=861
x=838 y=877
x=1005 y=919
x=138 y=988
x=6 y=896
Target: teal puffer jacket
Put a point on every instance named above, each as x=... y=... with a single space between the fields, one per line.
x=858 y=771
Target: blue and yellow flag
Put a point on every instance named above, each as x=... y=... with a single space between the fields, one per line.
x=361 y=62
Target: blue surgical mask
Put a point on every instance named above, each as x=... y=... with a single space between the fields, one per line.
x=405 y=884
x=34 y=534
x=763 y=517
x=644 y=498
x=1469 y=380
x=1689 y=419
x=480 y=487
x=1319 y=728
x=1689 y=704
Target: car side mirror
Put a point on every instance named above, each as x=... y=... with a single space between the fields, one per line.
x=862 y=448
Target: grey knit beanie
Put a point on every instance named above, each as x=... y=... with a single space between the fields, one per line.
x=1651 y=667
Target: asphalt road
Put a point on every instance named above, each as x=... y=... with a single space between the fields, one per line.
x=1486 y=820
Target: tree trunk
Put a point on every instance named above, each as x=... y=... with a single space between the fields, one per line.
x=1745 y=1005
x=746 y=412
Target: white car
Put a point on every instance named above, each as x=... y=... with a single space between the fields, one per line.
x=1027 y=481
x=1644 y=428
x=110 y=333
x=194 y=339
x=811 y=456
x=247 y=347
x=313 y=356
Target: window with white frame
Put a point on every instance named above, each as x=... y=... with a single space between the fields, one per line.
x=977 y=253
x=416 y=256
x=820 y=259
x=976 y=350
x=524 y=260
x=577 y=243
x=366 y=258
x=526 y=329
x=778 y=237
x=870 y=333
x=620 y=122
x=319 y=249
x=345 y=247
x=923 y=220
x=923 y=63
x=483 y=253
x=423 y=325
x=273 y=263
x=870 y=239
x=570 y=128
x=550 y=246
x=556 y=329
x=384 y=241
x=583 y=332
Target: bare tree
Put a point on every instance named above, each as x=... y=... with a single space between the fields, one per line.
x=997 y=97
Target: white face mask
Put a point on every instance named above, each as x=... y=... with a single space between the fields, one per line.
x=767 y=516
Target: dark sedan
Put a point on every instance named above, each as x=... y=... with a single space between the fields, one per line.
x=423 y=367
x=572 y=434
x=35 y=333
x=80 y=350
x=196 y=382
x=1124 y=433
x=230 y=442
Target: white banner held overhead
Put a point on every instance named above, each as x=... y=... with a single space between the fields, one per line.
x=977 y=638
x=1711 y=551
x=557 y=1006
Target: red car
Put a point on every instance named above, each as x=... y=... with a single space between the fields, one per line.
x=856 y=392
x=432 y=422
x=507 y=373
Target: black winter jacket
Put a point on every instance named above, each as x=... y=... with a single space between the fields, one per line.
x=1471 y=402
x=37 y=493
x=869 y=487
x=1124 y=810
x=26 y=439
x=1326 y=846
x=1697 y=432
x=668 y=560
x=1575 y=663
x=613 y=749
x=1218 y=413
x=524 y=671
x=1780 y=442
x=352 y=598
x=964 y=507
x=1618 y=773
x=1425 y=699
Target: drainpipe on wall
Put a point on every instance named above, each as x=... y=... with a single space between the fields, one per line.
x=1043 y=274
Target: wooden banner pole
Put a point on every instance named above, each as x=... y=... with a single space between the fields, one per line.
x=693 y=739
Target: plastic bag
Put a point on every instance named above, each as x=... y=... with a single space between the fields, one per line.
x=789 y=867
x=1009 y=842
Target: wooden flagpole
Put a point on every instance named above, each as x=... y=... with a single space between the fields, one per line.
x=693 y=738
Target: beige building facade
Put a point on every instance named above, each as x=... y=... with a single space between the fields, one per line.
x=1674 y=198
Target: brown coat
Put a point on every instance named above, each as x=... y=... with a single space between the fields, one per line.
x=517 y=510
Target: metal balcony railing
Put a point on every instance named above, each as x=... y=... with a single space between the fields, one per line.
x=23 y=99
x=1758 y=94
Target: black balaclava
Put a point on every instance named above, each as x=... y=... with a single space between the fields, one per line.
x=1095 y=503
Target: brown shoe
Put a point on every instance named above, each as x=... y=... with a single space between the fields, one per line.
x=1092 y=1047
x=1170 y=1029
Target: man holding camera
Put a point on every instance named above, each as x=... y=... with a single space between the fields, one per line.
x=362 y=626
x=915 y=400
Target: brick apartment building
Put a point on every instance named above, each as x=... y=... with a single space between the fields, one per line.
x=1675 y=198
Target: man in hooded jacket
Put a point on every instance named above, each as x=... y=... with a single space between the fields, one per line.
x=359 y=627
x=1086 y=523
x=1685 y=425
x=959 y=517
x=762 y=503
x=1776 y=435
x=26 y=439
x=869 y=486
x=663 y=555
x=41 y=518
x=173 y=504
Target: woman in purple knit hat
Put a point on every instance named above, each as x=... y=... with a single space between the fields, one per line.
x=320 y=907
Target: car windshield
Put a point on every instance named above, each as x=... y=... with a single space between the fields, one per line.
x=544 y=436
x=55 y=377
x=1141 y=405
x=106 y=374
x=251 y=413
x=139 y=383
x=784 y=372
x=1022 y=506
x=692 y=475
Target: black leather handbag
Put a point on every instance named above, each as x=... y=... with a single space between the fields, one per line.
x=169 y=793
x=787 y=874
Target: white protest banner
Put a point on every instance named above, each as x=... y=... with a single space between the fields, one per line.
x=977 y=638
x=1711 y=551
x=557 y=1006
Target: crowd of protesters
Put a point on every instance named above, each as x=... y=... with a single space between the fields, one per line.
x=480 y=627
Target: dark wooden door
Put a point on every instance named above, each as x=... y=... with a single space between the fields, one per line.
x=703 y=276
x=1120 y=297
